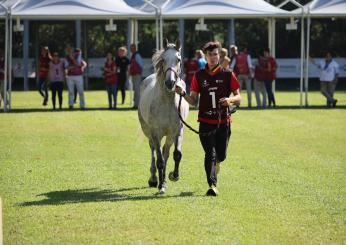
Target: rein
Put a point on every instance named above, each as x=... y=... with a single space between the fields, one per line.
x=204 y=134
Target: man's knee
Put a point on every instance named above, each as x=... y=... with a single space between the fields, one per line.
x=210 y=155
x=221 y=157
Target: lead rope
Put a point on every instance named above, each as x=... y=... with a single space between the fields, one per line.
x=204 y=134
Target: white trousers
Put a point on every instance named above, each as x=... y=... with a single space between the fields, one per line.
x=77 y=81
x=136 y=81
x=245 y=79
x=260 y=89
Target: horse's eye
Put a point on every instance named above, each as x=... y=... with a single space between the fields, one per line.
x=178 y=60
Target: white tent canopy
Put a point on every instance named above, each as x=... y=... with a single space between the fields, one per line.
x=327 y=8
x=222 y=9
x=75 y=9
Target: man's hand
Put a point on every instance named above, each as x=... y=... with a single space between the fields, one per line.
x=179 y=90
x=225 y=101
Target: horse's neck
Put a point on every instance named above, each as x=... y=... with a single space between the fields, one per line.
x=164 y=95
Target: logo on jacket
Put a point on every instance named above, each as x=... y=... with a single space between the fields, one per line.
x=205 y=84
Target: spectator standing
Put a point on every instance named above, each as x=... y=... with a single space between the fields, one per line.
x=122 y=63
x=259 y=83
x=56 y=78
x=225 y=61
x=201 y=61
x=234 y=52
x=75 y=65
x=135 y=71
x=269 y=74
x=328 y=78
x=110 y=76
x=43 y=68
x=242 y=66
x=191 y=67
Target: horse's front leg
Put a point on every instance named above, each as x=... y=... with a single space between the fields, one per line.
x=174 y=175
x=165 y=152
x=153 y=179
x=160 y=163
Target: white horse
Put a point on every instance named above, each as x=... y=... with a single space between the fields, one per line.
x=158 y=115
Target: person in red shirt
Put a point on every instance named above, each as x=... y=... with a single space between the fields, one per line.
x=191 y=67
x=111 y=80
x=43 y=66
x=218 y=89
x=269 y=74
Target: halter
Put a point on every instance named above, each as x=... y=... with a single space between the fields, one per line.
x=172 y=69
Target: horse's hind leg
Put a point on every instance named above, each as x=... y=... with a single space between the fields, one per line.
x=153 y=179
x=174 y=176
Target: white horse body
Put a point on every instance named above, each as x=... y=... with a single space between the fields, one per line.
x=159 y=116
x=158 y=113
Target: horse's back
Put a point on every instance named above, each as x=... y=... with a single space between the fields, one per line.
x=146 y=91
x=148 y=81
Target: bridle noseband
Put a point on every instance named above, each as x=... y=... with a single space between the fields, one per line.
x=171 y=69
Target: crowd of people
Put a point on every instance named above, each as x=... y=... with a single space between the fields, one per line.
x=55 y=70
x=258 y=75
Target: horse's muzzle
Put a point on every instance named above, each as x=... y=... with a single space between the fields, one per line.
x=170 y=84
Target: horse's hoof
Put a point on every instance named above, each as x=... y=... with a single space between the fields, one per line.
x=152 y=184
x=172 y=177
x=162 y=191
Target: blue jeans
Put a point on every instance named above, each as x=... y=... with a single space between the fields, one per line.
x=112 y=91
x=43 y=88
x=269 y=88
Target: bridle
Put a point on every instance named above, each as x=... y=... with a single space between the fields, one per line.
x=173 y=70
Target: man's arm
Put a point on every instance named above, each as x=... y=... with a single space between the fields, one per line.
x=232 y=99
x=336 y=72
x=139 y=60
x=232 y=65
x=191 y=99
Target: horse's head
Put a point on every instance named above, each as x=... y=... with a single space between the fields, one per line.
x=168 y=64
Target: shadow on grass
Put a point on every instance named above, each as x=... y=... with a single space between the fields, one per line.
x=30 y=110
x=95 y=195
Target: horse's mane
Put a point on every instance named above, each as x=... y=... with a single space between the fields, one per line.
x=157 y=59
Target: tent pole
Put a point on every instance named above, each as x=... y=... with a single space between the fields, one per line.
x=161 y=30
x=26 y=55
x=129 y=33
x=10 y=67
x=85 y=47
x=181 y=36
x=301 y=59
x=78 y=33
x=6 y=62
x=307 y=61
x=269 y=33
x=232 y=32
x=157 y=27
x=273 y=48
x=37 y=51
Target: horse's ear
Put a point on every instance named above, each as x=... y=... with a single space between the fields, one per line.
x=165 y=43
x=177 y=45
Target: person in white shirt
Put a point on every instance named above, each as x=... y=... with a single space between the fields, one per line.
x=328 y=77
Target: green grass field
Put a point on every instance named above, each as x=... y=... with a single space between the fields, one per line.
x=80 y=177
